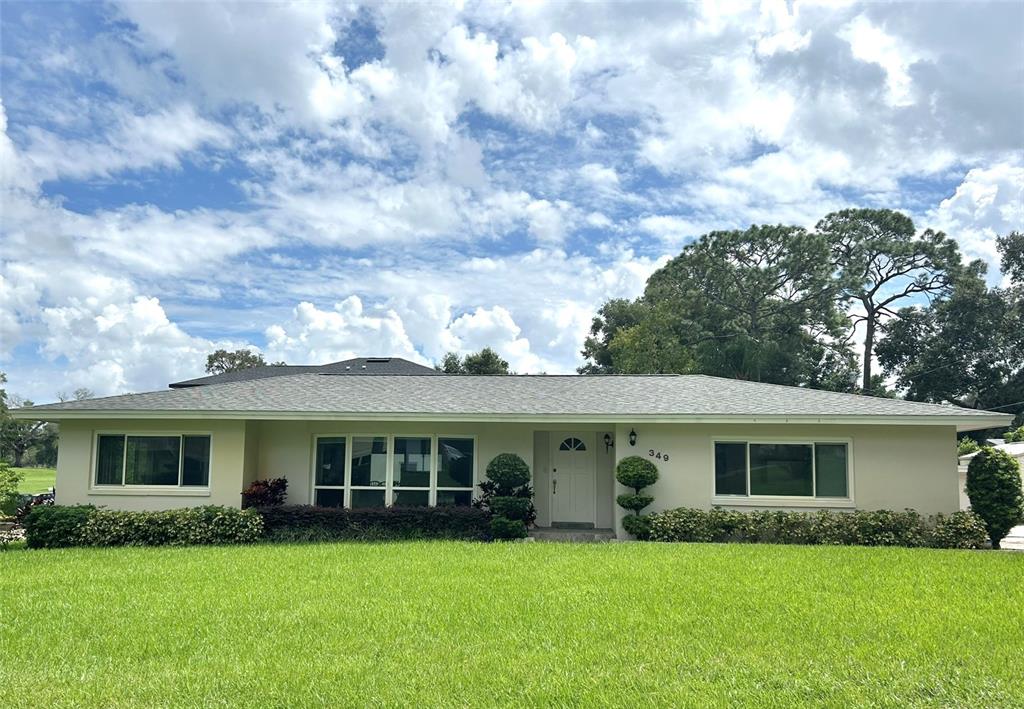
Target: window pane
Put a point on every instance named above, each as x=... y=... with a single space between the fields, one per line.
x=369 y=461
x=330 y=461
x=109 y=460
x=195 y=468
x=152 y=460
x=330 y=498
x=781 y=469
x=454 y=462
x=367 y=498
x=412 y=498
x=412 y=462
x=830 y=467
x=458 y=498
x=730 y=468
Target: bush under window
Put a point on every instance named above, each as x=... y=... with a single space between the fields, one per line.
x=306 y=523
x=265 y=493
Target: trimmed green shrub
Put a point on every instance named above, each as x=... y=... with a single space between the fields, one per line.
x=634 y=502
x=960 y=530
x=305 y=523
x=1014 y=436
x=505 y=528
x=54 y=526
x=638 y=525
x=994 y=488
x=508 y=479
x=966 y=446
x=507 y=471
x=9 y=481
x=519 y=508
x=211 y=524
x=857 y=527
x=636 y=472
x=265 y=493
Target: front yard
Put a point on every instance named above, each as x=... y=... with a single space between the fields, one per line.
x=36 y=480
x=464 y=624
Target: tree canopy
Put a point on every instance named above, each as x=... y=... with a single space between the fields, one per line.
x=223 y=361
x=486 y=361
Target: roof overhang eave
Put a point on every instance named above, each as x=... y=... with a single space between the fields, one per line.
x=973 y=422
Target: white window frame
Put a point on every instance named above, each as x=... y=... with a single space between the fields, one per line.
x=96 y=488
x=786 y=500
x=389 y=487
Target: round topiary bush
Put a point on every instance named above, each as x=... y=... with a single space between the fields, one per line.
x=634 y=502
x=636 y=472
x=508 y=470
x=505 y=528
x=519 y=508
x=994 y=488
x=638 y=525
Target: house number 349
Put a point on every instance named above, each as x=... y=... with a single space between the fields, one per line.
x=657 y=454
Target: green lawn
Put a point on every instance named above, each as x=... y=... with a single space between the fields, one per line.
x=36 y=479
x=460 y=624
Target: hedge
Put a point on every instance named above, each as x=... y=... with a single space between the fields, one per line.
x=85 y=525
x=305 y=523
x=960 y=530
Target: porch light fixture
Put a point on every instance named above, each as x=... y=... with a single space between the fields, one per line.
x=608 y=443
x=632 y=437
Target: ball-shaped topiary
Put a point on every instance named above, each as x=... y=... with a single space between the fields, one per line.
x=519 y=508
x=505 y=528
x=636 y=472
x=994 y=488
x=638 y=525
x=634 y=502
x=508 y=471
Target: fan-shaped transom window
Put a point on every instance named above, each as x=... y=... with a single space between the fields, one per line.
x=572 y=444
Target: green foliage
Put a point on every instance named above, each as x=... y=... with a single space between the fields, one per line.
x=82 y=525
x=636 y=472
x=486 y=361
x=265 y=493
x=507 y=529
x=306 y=523
x=1011 y=252
x=859 y=527
x=634 y=502
x=966 y=446
x=508 y=471
x=994 y=489
x=638 y=525
x=223 y=361
x=1014 y=436
x=10 y=479
x=57 y=526
x=518 y=508
x=614 y=316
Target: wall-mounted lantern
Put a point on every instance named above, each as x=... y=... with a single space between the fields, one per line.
x=632 y=437
x=608 y=442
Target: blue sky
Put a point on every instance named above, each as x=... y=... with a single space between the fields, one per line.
x=319 y=181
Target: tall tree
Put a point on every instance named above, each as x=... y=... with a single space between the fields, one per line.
x=17 y=436
x=882 y=265
x=486 y=361
x=223 y=361
x=755 y=304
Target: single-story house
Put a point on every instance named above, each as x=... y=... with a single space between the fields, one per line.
x=420 y=438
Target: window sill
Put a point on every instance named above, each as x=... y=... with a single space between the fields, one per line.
x=833 y=503
x=151 y=490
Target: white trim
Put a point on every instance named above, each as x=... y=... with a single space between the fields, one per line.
x=389 y=487
x=813 y=500
x=95 y=488
x=963 y=423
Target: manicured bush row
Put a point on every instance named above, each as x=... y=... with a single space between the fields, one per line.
x=305 y=523
x=960 y=530
x=85 y=525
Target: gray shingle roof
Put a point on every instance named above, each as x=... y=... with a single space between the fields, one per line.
x=515 y=397
x=358 y=365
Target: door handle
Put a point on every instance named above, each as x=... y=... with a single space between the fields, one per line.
x=554 y=486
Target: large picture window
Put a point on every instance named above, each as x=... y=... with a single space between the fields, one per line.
x=776 y=469
x=153 y=460
x=404 y=471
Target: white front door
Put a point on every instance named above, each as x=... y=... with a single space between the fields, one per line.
x=573 y=473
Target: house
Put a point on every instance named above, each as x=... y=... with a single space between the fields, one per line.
x=425 y=439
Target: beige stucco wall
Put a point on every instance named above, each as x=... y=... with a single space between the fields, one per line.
x=76 y=458
x=891 y=467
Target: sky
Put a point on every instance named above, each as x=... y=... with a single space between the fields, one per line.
x=321 y=181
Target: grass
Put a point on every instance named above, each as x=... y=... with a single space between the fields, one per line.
x=36 y=480
x=461 y=624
